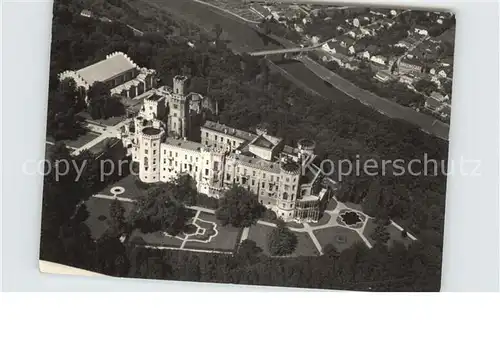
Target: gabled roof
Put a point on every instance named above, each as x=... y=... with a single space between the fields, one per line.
x=106 y=69
x=433 y=104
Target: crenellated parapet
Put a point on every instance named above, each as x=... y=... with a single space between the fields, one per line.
x=75 y=76
x=289 y=168
x=119 y=53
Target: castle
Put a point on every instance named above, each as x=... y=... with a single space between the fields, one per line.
x=158 y=141
x=161 y=140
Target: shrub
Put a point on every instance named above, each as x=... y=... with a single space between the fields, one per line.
x=281 y=241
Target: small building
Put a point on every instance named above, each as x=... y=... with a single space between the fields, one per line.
x=410 y=63
x=361 y=21
x=86 y=13
x=409 y=79
x=261 y=11
x=379 y=59
x=383 y=77
x=421 y=31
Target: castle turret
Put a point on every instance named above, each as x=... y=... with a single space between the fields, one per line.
x=288 y=188
x=149 y=153
x=179 y=116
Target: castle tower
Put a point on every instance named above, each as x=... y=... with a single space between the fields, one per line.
x=288 y=189
x=153 y=107
x=212 y=172
x=149 y=154
x=306 y=149
x=179 y=112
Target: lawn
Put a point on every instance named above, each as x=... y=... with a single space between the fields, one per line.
x=131 y=183
x=322 y=221
x=98 y=148
x=99 y=213
x=395 y=233
x=226 y=240
x=260 y=232
x=105 y=122
x=155 y=239
x=331 y=236
x=78 y=142
x=332 y=204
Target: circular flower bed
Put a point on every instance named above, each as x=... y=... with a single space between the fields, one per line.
x=117 y=190
x=351 y=219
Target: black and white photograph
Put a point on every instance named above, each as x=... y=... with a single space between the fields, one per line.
x=284 y=144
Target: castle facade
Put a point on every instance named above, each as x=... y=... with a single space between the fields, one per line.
x=158 y=140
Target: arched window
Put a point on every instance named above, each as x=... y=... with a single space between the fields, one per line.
x=285 y=196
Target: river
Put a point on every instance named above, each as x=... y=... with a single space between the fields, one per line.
x=241 y=37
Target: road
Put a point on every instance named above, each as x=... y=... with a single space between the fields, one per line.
x=245 y=38
x=104 y=133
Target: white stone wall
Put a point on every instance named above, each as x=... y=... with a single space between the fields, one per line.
x=149 y=157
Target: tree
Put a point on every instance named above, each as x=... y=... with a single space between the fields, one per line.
x=239 y=207
x=183 y=189
x=281 y=241
x=425 y=86
x=217 y=29
x=117 y=222
x=158 y=210
x=101 y=104
x=380 y=234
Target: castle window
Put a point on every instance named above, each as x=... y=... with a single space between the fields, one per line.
x=146 y=151
x=228 y=176
x=287 y=179
x=285 y=196
x=206 y=134
x=292 y=197
x=293 y=187
x=253 y=182
x=164 y=152
x=164 y=170
x=263 y=184
x=176 y=106
x=185 y=156
x=215 y=137
x=176 y=163
x=206 y=171
x=154 y=161
x=170 y=163
x=253 y=173
x=164 y=160
x=176 y=154
x=154 y=152
x=154 y=169
x=272 y=178
x=170 y=153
